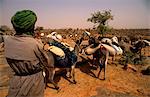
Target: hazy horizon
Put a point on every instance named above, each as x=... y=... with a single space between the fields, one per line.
x=128 y=14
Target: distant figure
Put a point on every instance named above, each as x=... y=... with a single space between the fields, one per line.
x=25 y=55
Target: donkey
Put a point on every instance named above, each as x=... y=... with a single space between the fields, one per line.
x=113 y=46
x=97 y=50
x=50 y=72
x=100 y=53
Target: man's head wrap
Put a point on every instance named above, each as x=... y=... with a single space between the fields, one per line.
x=24 y=21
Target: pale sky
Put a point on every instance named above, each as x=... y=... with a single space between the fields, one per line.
x=74 y=13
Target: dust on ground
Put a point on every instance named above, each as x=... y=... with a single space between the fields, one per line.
x=118 y=83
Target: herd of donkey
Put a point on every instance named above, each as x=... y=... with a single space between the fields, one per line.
x=100 y=48
x=86 y=43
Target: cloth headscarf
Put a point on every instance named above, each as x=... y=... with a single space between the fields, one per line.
x=24 y=21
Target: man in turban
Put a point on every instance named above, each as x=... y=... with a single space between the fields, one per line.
x=23 y=54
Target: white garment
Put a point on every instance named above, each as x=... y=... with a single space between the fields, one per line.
x=58 y=51
x=118 y=49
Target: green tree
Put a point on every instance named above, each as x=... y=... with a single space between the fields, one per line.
x=100 y=19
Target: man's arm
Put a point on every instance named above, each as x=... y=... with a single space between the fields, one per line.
x=44 y=56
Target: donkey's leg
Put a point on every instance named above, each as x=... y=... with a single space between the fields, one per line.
x=97 y=62
x=104 y=71
x=113 y=59
x=51 y=78
x=73 y=73
x=100 y=67
x=45 y=79
x=68 y=72
x=105 y=63
x=99 y=72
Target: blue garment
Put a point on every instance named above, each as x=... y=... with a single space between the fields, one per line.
x=70 y=57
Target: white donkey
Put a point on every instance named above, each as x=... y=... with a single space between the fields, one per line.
x=112 y=46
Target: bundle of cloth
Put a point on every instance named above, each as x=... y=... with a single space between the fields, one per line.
x=63 y=51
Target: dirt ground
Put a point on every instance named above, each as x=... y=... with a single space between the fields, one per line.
x=118 y=83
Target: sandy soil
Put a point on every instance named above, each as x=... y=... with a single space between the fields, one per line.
x=119 y=82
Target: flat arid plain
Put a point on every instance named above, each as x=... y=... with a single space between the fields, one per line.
x=118 y=83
